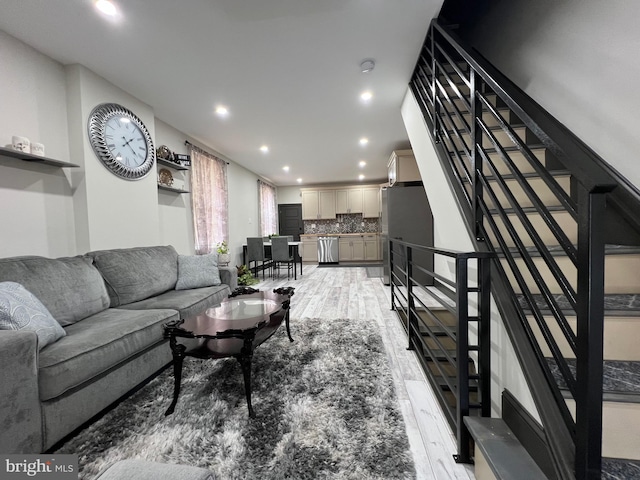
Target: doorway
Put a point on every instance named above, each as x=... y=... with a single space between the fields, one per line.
x=290 y=220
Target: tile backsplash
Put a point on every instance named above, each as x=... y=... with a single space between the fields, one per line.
x=347 y=223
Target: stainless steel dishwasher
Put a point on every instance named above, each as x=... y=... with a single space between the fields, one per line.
x=327 y=250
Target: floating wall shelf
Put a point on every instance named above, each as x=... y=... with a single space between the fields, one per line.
x=171 y=189
x=167 y=163
x=27 y=157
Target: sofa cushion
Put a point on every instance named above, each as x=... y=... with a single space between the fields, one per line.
x=187 y=302
x=196 y=271
x=21 y=310
x=70 y=288
x=97 y=344
x=133 y=274
x=136 y=469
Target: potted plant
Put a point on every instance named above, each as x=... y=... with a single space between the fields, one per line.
x=223 y=253
x=245 y=277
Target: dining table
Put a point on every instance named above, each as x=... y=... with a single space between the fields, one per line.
x=294 y=250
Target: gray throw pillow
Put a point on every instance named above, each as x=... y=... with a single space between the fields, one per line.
x=196 y=271
x=21 y=310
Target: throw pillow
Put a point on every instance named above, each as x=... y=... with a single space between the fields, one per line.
x=196 y=271
x=21 y=310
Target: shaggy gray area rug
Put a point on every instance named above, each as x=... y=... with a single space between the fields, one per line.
x=325 y=409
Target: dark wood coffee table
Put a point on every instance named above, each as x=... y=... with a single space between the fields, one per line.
x=236 y=328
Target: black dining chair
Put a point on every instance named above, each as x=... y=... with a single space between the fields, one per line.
x=255 y=253
x=280 y=254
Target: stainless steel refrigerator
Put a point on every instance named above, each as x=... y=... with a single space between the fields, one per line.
x=406 y=215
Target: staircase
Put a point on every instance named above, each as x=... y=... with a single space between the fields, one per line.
x=565 y=229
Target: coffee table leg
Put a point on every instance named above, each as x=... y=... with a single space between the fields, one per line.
x=245 y=362
x=178 y=358
x=286 y=322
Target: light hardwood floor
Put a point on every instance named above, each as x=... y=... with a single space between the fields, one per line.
x=340 y=292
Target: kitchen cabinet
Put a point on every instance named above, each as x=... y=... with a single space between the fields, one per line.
x=309 y=249
x=402 y=167
x=318 y=204
x=371 y=202
x=349 y=200
x=371 y=250
x=351 y=249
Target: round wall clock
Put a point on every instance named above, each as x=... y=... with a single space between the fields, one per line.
x=121 y=141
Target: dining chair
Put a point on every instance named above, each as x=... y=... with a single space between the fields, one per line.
x=280 y=254
x=255 y=253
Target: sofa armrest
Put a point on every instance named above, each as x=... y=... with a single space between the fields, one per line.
x=229 y=275
x=20 y=414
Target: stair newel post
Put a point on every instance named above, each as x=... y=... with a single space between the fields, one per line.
x=462 y=360
x=391 y=266
x=476 y=145
x=484 y=333
x=411 y=320
x=590 y=332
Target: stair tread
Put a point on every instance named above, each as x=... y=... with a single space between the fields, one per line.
x=557 y=250
x=616 y=468
x=614 y=303
x=619 y=377
x=502 y=450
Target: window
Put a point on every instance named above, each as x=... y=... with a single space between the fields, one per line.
x=268 y=208
x=209 y=197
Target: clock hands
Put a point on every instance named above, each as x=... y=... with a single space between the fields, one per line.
x=127 y=144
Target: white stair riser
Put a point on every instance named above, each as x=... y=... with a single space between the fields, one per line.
x=620 y=429
x=487 y=118
x=503 y=139
x=564 y=220
x=622 y=274
x=519 y=159
x=539 y=187
x=620 y=337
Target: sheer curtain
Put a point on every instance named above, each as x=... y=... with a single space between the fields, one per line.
x=268 y=208
x=209 y=198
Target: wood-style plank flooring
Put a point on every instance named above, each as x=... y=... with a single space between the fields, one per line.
x=340 y=292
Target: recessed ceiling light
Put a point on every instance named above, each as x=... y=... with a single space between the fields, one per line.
x=366 y=96
x=364 y=141
x=106 y=7
x=299 y=180
x=222 y=111
x=367 y=65
x=362 y=163
x=361 y=177
x=264 y=149
x=286 y=168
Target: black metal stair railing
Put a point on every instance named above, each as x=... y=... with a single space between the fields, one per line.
x=510 y=161
x=448 y=326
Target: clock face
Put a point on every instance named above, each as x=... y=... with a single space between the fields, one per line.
x=126 y=141
x=121 y=141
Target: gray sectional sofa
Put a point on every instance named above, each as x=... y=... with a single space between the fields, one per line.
x=112 y=305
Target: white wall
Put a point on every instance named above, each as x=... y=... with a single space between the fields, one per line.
x=243 y=209
x=449 y=232
x=37 y=212
x=61 y=212
x=120 y=213
x=289 y=194
x=175 y=221
x=578 y=59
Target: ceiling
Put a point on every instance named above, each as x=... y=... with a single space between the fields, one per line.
x=287 y=70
